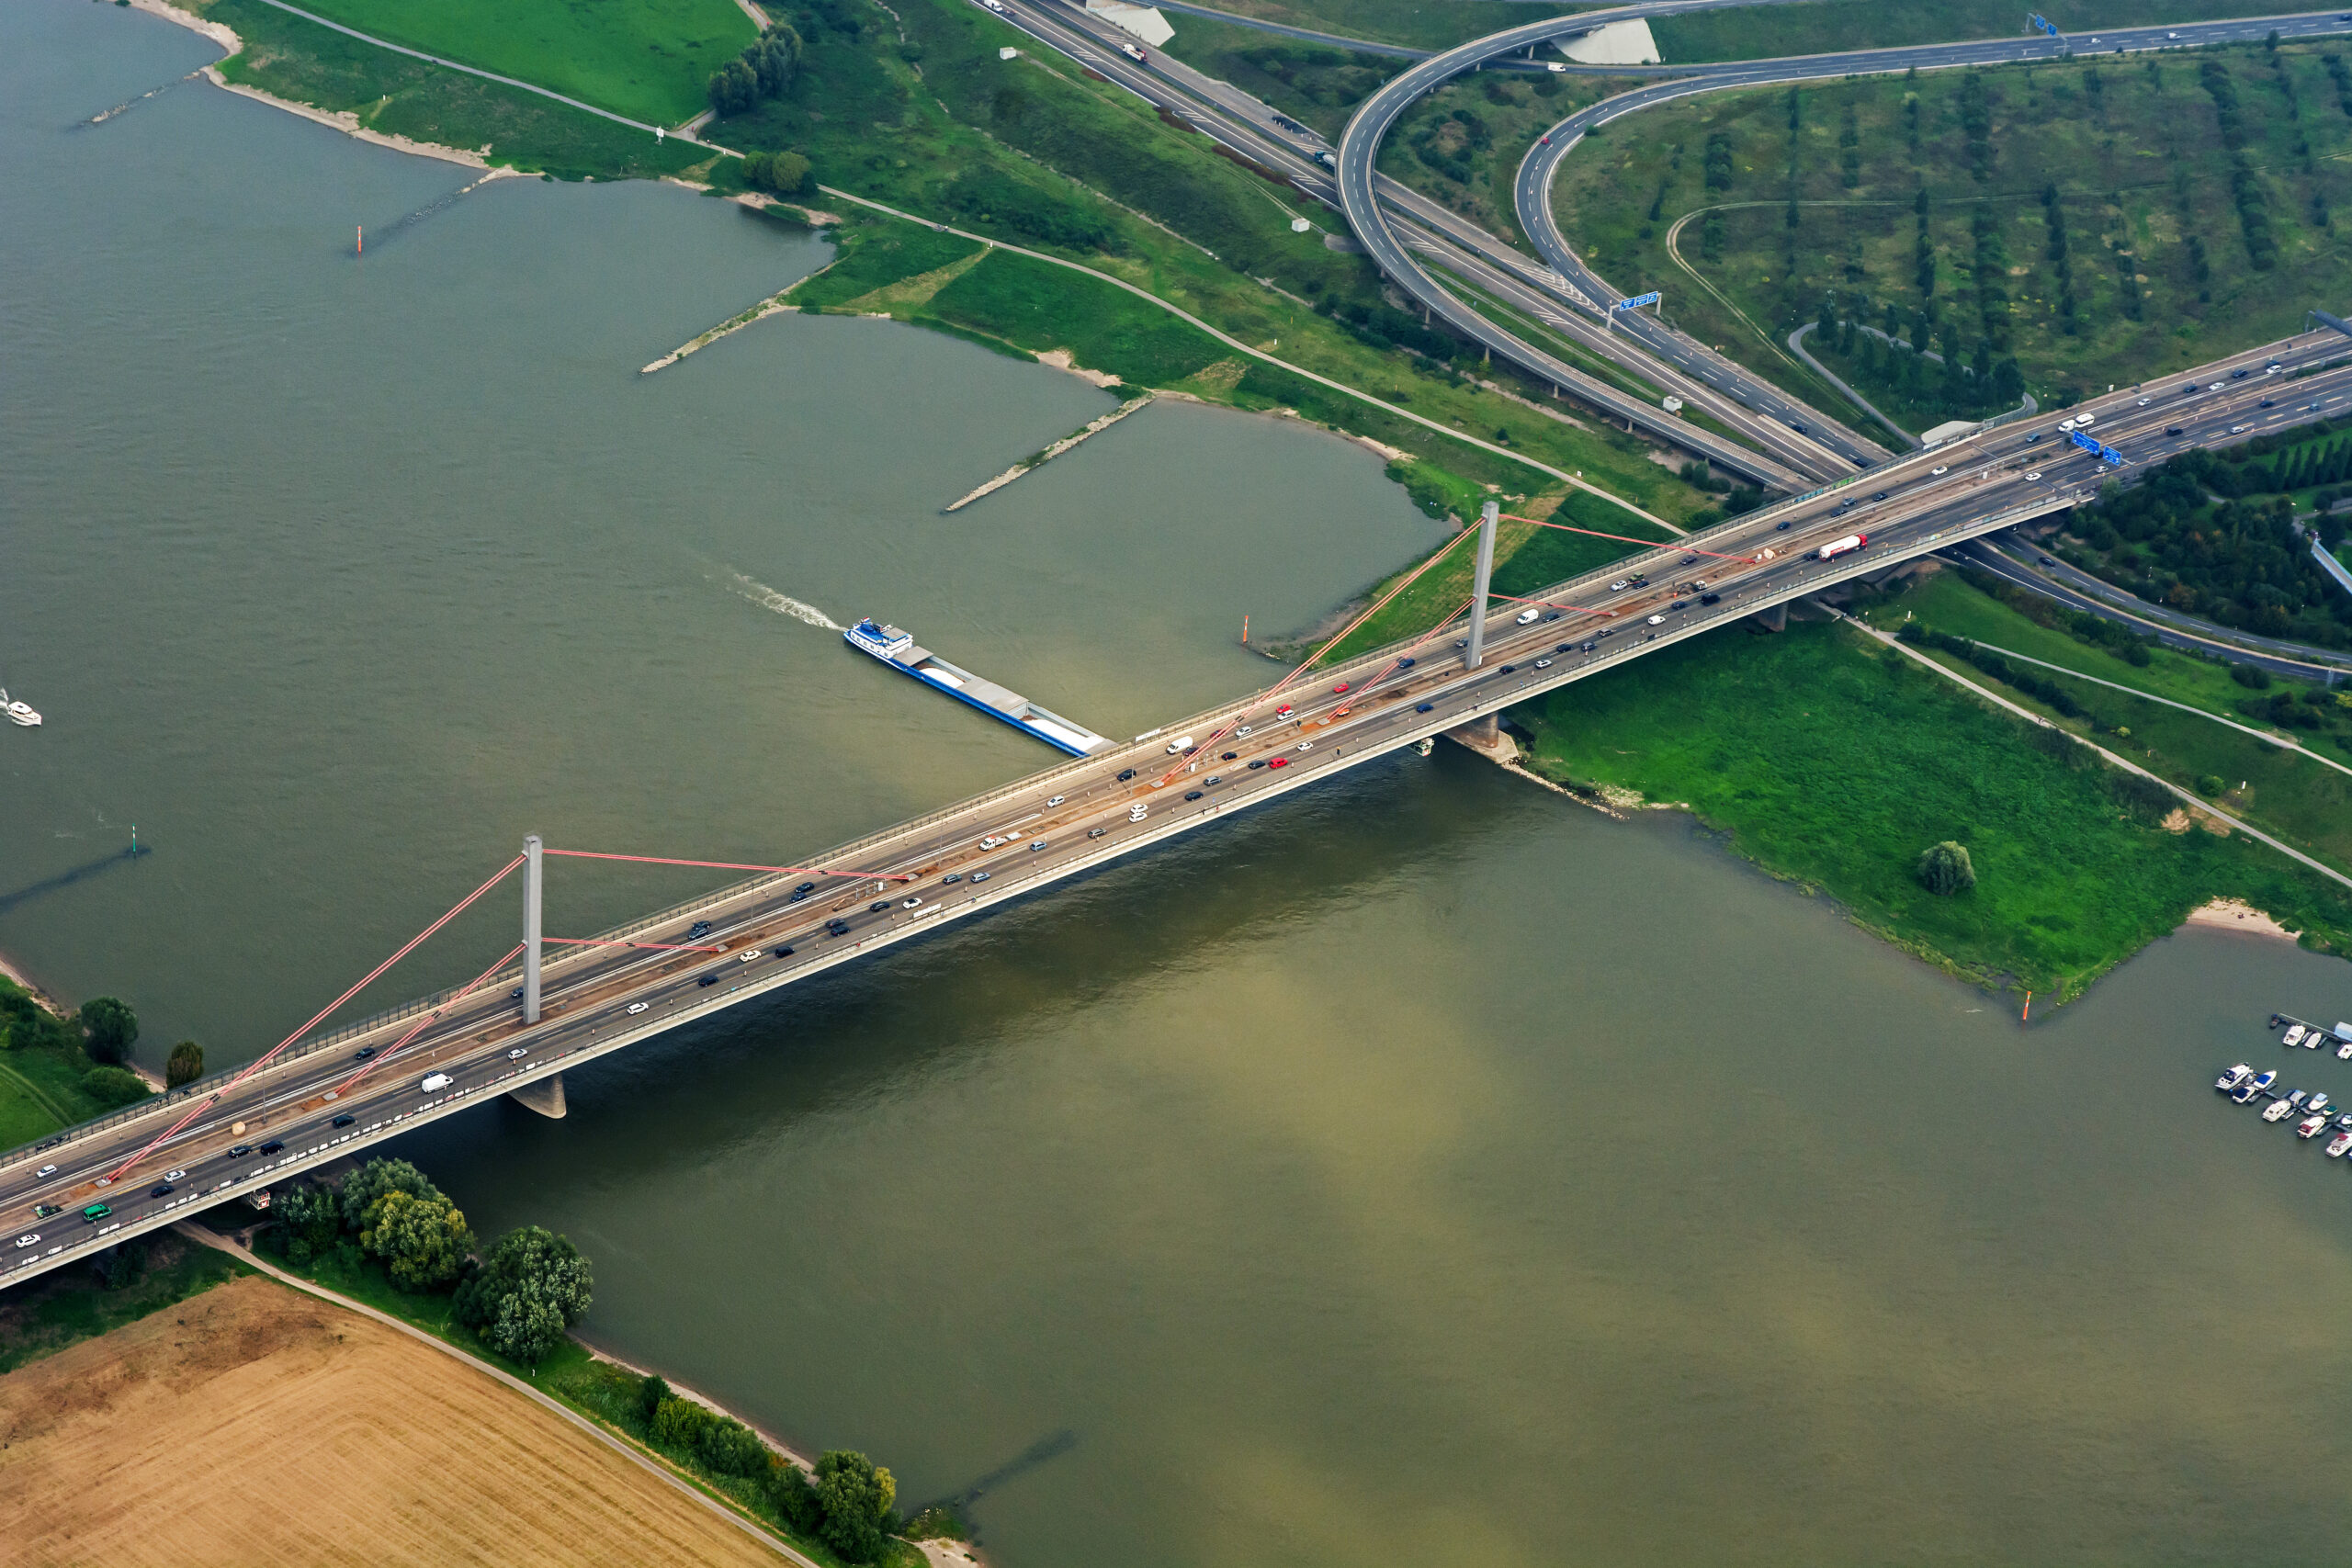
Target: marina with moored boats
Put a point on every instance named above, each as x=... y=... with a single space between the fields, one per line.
x=2314 y=1111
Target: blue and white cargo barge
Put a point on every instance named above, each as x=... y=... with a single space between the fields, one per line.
x=898 y=650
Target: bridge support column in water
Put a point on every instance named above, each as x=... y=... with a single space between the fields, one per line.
x=546 y=1097
x=532 y=864
x=1487 y=515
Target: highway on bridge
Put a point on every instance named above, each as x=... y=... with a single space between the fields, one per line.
x=338 y=1093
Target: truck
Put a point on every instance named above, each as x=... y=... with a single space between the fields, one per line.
x=1839 y=546
x=434 y=1083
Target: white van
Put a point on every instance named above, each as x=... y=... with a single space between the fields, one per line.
x=1135 y=812
x=1527 y=617
x=436 y=1082
x=1181 y=744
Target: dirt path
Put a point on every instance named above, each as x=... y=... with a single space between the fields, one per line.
x=253 y=1425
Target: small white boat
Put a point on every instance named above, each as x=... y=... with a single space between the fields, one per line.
x=2278 y=1109
x=2311 y=1127
x=2295 y=1033
x=19 y=713
x=2317 y=1102
x=2343 y=1051
x=2234 y=1078
x=2338 y=1143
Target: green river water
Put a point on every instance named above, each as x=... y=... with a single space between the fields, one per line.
x=1423 y=1171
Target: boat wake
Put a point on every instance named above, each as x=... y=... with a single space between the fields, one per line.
x=767 y=598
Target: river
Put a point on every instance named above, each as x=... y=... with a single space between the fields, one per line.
x=1424 y=1170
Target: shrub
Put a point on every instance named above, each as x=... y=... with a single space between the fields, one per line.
x=856 y=1496
x=1944 y=869
x=2210 y=785
x=651 y=1393
x=186 y=1066
x=679 y=1423
x=108 y=1028
x=784 y=174
x=113 y=1086
x=732 y=1449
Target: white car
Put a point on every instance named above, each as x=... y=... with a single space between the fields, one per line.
x=1939 y=470
x=174 y=1175
x=996 y=6
x=517 y=1054
x=1057 y=800
x=747 y=955
x=33 y=1240
x=910 y=903
x=636 y=1007
x=1305 y=745
x=46 y=1170
x=2240 y=429
x=1618 y=586
x=1542 y=664
x=2144 y=402
x=1137 y=812
x=1132 y=52
x=2032 y=477
x=1658 y=620
x=1244 y=732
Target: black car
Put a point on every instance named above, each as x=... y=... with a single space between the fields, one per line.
x=239 y=1151
x=1799 y=429
x=515 y=994
x=275 y=1146
x=2175 y=430
x=801 y=892
x=837 y=927
x=1508 y=667
x=1711 y=598
x=1191 y=794
x=1781 y=528
x=877 y=906
x=362 y=1053
x=1258 y=762
x=1418 y=707
x=700 y=928
x=2238 y=375
x=1406 y=663
x=161 y=1190
x=2269 y=403
x=1552 y=616
x=1679 y=604
x=2189 y=390
x=344 y=1120
x=1227 y=756
x=708 y=980
x=1689 y=560
x=2034 y=437
x=1125 y=774
x=1565 y=648
x=1588 y=648
x=1878 y=495
x=1096 y=832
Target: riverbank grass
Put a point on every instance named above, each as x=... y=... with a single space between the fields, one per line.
x=1833 y=761
x=65 y=1306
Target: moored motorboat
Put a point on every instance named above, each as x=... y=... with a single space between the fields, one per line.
x=2311 y=1127
x=2230 y=1080
x=2264 y=1079
x=2247 y=1093
x=2338 y=1143
x=2295 y=1033
x=2278 y=1109
x=19 y=713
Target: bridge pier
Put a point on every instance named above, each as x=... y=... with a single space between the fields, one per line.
x=532 y=882
x=546 y=1097
x=1775 y=619
x=1485 y=571
x=1483 y=733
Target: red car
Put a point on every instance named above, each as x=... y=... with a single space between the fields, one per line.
x=1341 y=690
x=1283 y=712
x=1279 y=762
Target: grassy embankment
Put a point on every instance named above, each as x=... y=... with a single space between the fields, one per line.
x=598 y=1389
x=916 y=110
x=1771 y=32
x=647 y=58
x=66 y=1306
x=2289 y=794
x=2194 y=196
x=1833 y=761
x=44 y=1071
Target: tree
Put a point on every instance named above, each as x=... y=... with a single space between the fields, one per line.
x=795 y=1499
x=186 y=1066
x=423 y=1241
x=1944 y=869
x=678 y=1423
x=786 y=174
x=375 y=1178
x=733 y=88
x=108 y=1028
x=311 y=1218
x=113 y=1086
x=855 y=1494
x=532 y=1287
x=732 y=1449
x=651 y=1393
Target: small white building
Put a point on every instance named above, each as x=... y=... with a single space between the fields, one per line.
x=1143 y=21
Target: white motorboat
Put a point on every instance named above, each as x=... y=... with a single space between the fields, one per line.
x=2338 y=1143
x=2311 y=1127
x=19 y=713
x=2278 y=1109
x=2234 y=1076
x=2316 y=1102
x=2264 y=1079
x=2295 y=1033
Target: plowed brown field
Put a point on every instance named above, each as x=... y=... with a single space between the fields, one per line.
x=253 y=1425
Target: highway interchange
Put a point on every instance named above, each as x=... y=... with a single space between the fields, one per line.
x=335 y=1094
x=320 y=1102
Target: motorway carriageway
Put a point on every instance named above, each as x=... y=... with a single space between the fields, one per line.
x=1079 y=812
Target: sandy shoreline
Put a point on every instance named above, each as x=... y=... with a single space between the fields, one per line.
x=2236 y=915
x=41 y=998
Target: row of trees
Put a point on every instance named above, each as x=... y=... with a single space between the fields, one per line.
x=520 y=1297
x=763 y=71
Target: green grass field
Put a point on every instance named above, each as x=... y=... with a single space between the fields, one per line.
x=1833 y=761
x=2104 y=221
x=647 y=58
x=392 y=94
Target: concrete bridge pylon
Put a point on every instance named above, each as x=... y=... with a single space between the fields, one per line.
x=534 y=879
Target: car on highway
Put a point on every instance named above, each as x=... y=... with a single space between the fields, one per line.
x=92 y=1213
x=951 y=879
x=979 y=876
x=2175 y=430
x=1244 y=731
x=747 y=955
x=1035 y=847
x=1510 y=669
x=1939 y=470
x=1279 y=762
x=275 y=1146
x=2144 y=402
x=30 y=1240
x=1096 y=832
x=781 y=952
x=1057 y=800
x=1587 y=647
x=43 y=1211
x=2268 y=403
x=363 y=1054
x=162 y=1190
x=1258 y=762
x=1191 y=794
x=46 y=1170
x=1132 y=52
x=1878 y=495
x=1126 y=774
x=1213 y=780
x=1542 y=664
x=1527 y=617
x=1620 y=586
x=636 y=1007
x=911 y=902
x=1341 y=690
x=700 y=928
x=1284 y=711
x=239 y=1151
x=801 y=892
x=1406 y=663
x=1305 y=745
x=877 y=906
x=2189 y=390
x=2240 y=429
x=2031 y=477
x=178 y=1175
x=996 y=6
x=517 y=1054
x=2240 y=375
x=1781 y=527
x=1418 y=707
x=1658 y=620
x=708 y=980
x=1711 y=598
x=1227 y=756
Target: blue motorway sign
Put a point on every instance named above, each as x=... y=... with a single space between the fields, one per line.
x=1637 y=300
x=2104 y=454
x=2041 y=24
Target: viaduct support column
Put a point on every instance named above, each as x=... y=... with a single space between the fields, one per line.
x=1486 y=571
x=532 y=879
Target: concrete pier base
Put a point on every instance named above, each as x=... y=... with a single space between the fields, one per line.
x=1775 y=619
x=1485 y=736
x=546 y=1097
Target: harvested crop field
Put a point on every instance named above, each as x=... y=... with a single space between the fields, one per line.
x=253 y=1425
